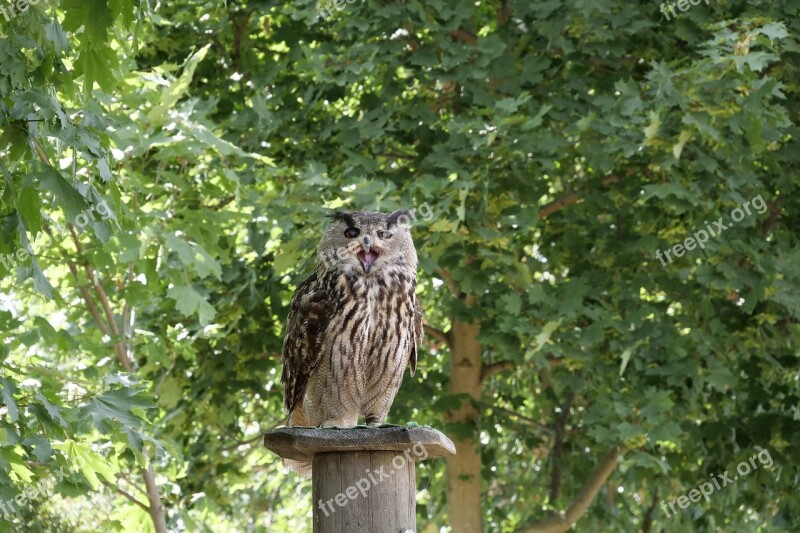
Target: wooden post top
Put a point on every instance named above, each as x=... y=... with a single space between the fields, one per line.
x=303 y=443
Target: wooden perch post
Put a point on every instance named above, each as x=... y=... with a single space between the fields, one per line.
x=363 y=479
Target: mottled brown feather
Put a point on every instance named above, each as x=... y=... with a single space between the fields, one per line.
x=352 y=330
x=309 y=315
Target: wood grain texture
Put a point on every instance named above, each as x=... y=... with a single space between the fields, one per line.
x=364 y=479
x=370 y=492
x=302 y=444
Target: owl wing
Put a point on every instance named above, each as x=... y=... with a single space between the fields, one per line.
x=309 y=316
x=417 y=322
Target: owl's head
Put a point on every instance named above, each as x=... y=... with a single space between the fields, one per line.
x=367 y=243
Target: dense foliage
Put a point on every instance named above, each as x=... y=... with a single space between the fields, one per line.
x=166 y=169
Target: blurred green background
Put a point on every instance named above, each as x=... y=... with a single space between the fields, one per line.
x=166 y=169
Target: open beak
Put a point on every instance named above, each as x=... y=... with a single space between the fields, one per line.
x=366 y=255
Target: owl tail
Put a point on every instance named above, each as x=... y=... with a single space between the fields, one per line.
x=301 y=467
x=297 y=418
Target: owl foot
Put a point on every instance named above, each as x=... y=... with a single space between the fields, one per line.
x=339 y=423
x=373 y=421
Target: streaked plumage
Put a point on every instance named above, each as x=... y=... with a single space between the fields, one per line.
x=354 y=324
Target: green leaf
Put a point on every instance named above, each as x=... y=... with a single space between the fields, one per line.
x=684 y=137
x=511 y=304
x=193 y=255
x=123 y=405
x=53 y=410
x=55 y=34
x=89 y=462
x=123 y=9
x=30 y=209
x=7 y=390
x=719 y=376
x=104 y=170
x=71 y=201
x=160 y=112
x=24 y=473
x=202 y=134
x=9 y=192
x=543 y=337
x=189 y=302
x=289 y=255
x=626 y=356
x=651 y=131
x=96 y=60
x=756 y=60
x=461 y=211
x=775 y=31
x=41 y=447
x=40 y=282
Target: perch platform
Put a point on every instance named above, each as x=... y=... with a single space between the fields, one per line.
x=363 y=479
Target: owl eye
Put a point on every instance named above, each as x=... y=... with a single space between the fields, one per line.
x=384 y=234
x=351 y=233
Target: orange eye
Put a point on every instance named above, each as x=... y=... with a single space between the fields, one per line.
x=351 y=233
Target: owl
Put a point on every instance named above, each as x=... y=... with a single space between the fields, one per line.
x=354 y=324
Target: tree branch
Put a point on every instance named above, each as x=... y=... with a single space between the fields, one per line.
x=569 y=199
x=85 y=294
x=490 y=370
x=561 y=522
x=223 y=203
x=127 y=324
x=245 y=442
x=409 y=157
x=558 y=447
x=126 y=494
x=504 y=14
x=647 y=521
x=559 y=204
x=241 y=443
x=436 y=333
x=494 y=368
x=448 y=280
x=100 y=292
x=156 y=507
x=523 y=417
x=464 y=36
x=121 y=475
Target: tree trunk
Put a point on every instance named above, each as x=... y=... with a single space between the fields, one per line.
x=464 y=469
x=157 y=512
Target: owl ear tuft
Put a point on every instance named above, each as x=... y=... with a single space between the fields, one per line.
x=344 y=216
x=402 y=217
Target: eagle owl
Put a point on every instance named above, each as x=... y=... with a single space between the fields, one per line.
x=354 y=324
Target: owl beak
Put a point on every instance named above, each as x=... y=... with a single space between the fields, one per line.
x=367 y=256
